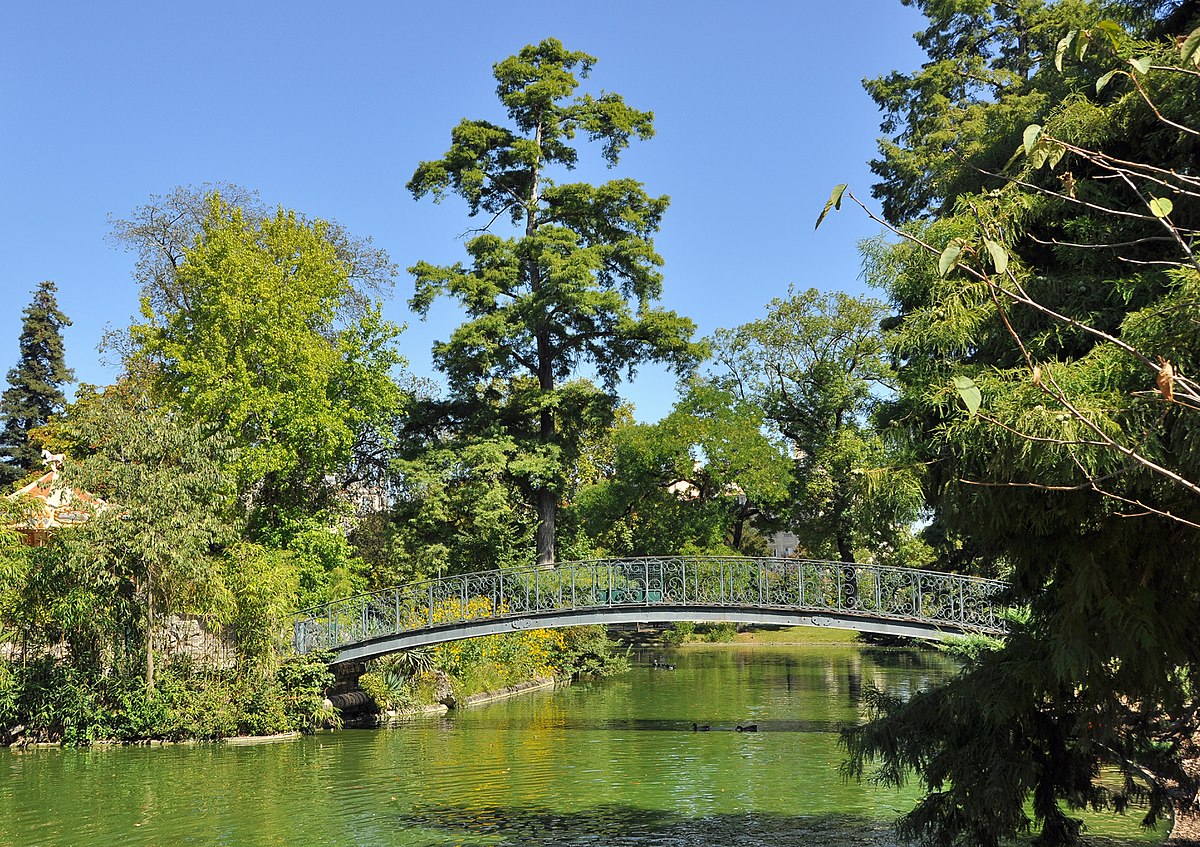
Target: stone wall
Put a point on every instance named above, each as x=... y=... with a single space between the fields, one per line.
x=197 y=640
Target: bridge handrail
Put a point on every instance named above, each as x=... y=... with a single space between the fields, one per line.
x=895 y=592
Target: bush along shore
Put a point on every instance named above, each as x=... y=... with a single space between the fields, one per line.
x=462 y=672
x=49 y=701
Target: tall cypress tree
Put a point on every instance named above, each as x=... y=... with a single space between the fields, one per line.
x=34 y=392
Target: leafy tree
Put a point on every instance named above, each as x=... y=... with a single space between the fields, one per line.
x=253 y=337
x=34 y=394
x=170 y=507
x=263 y=585
x=695 y=481
x=574 y=287
x=463 y=472
x=817 y=365
x=14 y=566
x=161 y=232
x=1046 y=328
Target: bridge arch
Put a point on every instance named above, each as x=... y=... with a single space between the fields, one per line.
x=862 y=597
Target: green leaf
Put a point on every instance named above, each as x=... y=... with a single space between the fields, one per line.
x=1112 y=30
x=999 y=255
x=1104 y=80
x=1190 y=50
x=969 y=392
x=835 y=202
x=1081 y=44
x=1064 y=44
x=1040 y=154
x=1031 y=135
x=1160 y=207
x=949 y=256
x=1142 y=65
x=1056 y=154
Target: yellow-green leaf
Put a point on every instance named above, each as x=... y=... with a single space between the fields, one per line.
x=1064 y=44
x=1104 y=80
x=1081 y=44
x=1113 y=30
x=835 y=202
x=969 y=393
x=999 y=255
x=1142 y=65
x=1031 y=135
x=1190 y=49
x=949 y=256
x=1160 y=207
x=1056 y=154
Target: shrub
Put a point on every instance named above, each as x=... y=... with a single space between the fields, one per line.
x=679 y=632
x=723 y=631
x=587 y=651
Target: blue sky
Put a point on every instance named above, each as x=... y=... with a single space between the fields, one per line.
x=327 y=108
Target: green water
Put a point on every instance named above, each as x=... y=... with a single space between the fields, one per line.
x=609 y=763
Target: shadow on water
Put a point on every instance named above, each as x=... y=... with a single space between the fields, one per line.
x=617 y=825
x=903 y=657
x=620 y=825
x=685 y=725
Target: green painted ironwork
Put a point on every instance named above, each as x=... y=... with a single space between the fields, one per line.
x=857 y=596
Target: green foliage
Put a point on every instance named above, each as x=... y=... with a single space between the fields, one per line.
x=586 y=651
x=574 y=287
x=264 y=587
x=695 y=481
x=679 y=632
x=817 y=366
x=15 y=561
x=59 y=702
x=1062 y=293
x=461 y=492
x=169 y=505
x=723 y=631
x=390 y=691
x=34 y=394
x=261 y=343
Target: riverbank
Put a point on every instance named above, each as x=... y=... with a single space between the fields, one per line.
x=53 y=702
x=690 y=635
x=393 y=717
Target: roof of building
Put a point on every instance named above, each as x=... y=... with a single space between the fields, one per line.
x=55 y=505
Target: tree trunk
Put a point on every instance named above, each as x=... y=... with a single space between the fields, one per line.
x=547 y=506
x=547 y=499
x=744 y=513
x=149 y=635
x=849 y=574
x=846 y=554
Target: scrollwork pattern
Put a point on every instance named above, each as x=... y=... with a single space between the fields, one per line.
x=683 y=582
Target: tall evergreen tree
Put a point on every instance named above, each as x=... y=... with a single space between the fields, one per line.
x=574 y=287
x=34 y=392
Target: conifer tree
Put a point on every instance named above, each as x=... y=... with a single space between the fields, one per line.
x=34 y=392
x=1040 y=169
x=574 y=287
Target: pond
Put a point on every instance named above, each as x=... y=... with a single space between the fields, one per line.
x=604 y=763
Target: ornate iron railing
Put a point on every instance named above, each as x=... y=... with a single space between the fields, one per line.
x=935 y=599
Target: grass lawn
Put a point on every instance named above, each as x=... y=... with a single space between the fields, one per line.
x=797 y=635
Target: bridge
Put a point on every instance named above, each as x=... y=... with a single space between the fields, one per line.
x=790 y=592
